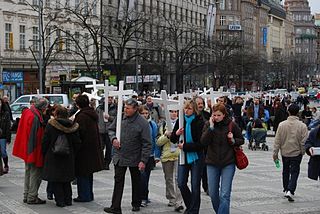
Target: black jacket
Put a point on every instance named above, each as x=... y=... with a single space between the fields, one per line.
x=220 y=152
x=59 y=168
x=314 y=161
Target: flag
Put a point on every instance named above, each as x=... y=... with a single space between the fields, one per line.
x=211 y=20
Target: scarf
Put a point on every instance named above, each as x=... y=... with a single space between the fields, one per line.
x=191 y=156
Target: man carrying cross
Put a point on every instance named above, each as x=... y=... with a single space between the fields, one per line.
x=132 y=151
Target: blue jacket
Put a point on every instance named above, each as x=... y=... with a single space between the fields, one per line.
x=155 y=151
x=314 y=161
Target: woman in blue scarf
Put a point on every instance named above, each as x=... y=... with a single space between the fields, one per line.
x=191 y=158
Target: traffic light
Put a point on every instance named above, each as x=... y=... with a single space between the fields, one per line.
x=10 y=40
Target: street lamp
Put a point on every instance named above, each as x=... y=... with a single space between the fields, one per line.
x=242 y=48
x=40 y=3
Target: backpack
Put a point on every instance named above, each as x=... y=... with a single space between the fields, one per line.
x=61 y=146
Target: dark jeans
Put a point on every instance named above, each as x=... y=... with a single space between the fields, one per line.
x=62 y=192
x=145 y=176
x=85 y=187
x=204 y=178
x=106 y=143
x=191 y=197
x=119 y=178
x=290 y=173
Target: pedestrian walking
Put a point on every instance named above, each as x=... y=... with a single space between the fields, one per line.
x=27 y=146
x=194 y=155
x=290 y=140
x=169 y=159
x=220 y=158
x=5 y=135
x=132 y=151
x=313 y=143
x=153 y=159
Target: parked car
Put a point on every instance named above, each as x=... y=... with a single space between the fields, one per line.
x=61 y=99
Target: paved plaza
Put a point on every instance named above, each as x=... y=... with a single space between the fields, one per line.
x=257 y=189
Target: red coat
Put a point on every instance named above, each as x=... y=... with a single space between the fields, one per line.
x=27 y=144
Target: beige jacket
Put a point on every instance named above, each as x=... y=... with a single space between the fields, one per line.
x=290 y=138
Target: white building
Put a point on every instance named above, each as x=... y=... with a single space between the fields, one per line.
x=19 y=42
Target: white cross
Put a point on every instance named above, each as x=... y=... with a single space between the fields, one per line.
x=120 y=93
x=94 y=87
x=165 y=102
x=213 y=95
x=106 y=89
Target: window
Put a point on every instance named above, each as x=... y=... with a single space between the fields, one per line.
x=77 y=4
x=77 y=39
x=67 y=4
x=8 y=35
x=22 y=37
x=222 y=20
x=86 y=43
x=35 y=39
x=34 y=2
x=94 y=8
x=57 y=4
x=222 y=4
x=48 y=3
x=48 y=38
x=298 y=31
x=68 y=41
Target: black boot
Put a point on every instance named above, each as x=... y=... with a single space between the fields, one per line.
x=6 y=166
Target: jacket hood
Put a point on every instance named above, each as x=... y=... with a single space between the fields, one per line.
x=90 y=112
x=64 y=125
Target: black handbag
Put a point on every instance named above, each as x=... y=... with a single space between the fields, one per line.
x=61 y=146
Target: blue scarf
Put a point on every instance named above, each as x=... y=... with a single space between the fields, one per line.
x=191 y=156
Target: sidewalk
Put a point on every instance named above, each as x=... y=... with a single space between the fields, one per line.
x=256 y=190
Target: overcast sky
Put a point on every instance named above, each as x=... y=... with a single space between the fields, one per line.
x=315 y=6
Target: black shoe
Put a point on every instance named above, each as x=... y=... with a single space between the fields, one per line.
x=68 y=203
x=24 y=200
x=112 y=210
x=81 y=200
x=49 y=196
x=135 y=209
x=60 y=204
x=107 y=167
x=178 y=209
x=36 y=201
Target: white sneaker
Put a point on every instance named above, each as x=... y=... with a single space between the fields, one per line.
x=289 y=196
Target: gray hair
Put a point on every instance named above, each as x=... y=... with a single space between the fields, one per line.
x=41 y=103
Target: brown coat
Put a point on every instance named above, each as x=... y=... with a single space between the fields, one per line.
x=89 y=158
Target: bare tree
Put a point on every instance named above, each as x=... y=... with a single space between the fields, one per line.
x=123 y=33
x=47 y=27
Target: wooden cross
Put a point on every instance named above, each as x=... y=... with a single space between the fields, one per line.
x=120 y=93
x=106 y=89
x=165 y=102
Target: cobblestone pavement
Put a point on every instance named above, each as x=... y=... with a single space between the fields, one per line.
x=257 y=189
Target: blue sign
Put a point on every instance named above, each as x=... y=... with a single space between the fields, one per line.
x=265 y=34
x=12 y=76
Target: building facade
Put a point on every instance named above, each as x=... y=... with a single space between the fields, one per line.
x=22 y=38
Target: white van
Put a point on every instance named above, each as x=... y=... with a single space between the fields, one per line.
x=61 y=99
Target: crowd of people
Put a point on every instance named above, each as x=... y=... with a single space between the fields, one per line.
x=61 y=146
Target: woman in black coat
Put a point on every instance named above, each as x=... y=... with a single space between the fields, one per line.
x=312 y=142
x=89 y=157
x=59 y=169
x=193 y=160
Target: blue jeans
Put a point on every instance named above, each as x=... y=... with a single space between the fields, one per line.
x=144 y=181
x=3 y=147
x=191 y=198
x=290 y=172
x=220 y=192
